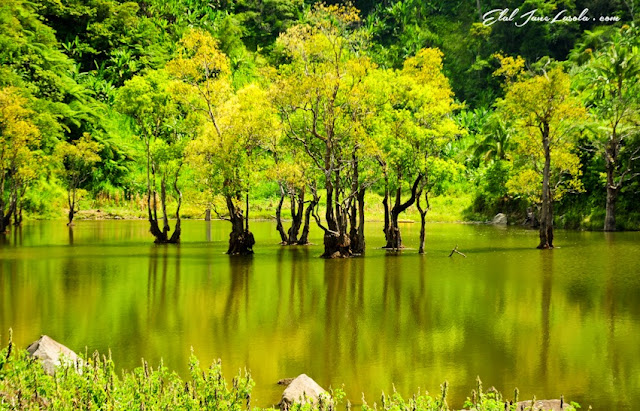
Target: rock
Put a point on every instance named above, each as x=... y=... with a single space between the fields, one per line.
x=499 y=219
x=52 y=354
x=301 y=390
x=542 y=405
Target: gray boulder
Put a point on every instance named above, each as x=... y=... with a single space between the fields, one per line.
x=52 y=354
x=499 y=219
x=543 y=405
x=301 y=390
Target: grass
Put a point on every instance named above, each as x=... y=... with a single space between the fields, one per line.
x=25 y=386
x=449 y=208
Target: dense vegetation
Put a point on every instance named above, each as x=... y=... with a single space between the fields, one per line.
x=214 y=106
x=25 y=385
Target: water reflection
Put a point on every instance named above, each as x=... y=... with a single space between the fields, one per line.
x=163 y=286
x=238 y=297
x=17 y=235
x=547 y=282
x=566 y=320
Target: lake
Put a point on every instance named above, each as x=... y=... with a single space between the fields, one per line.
x=565 y=321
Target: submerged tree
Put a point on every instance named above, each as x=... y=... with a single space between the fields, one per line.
x=321 y=97
x=413 y=124
x=77 y=161
x=149 y=99
x=611 y=89
x=545 y=115
x=235 y=126
x=439 y=172
x=295 y=182
x=19 y=137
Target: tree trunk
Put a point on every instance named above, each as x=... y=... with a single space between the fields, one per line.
x=207 y=214
x=162 y=235
x=546 y=210
x=357 y=229
x=279 y=226
x=72 y=206
x=336 y=242
x=610 y=218
x=5 y=221
x=394 y=238
x=70 y=217
x=423 y=219
x=241 y=240
x=17 y=209
x=479 y=8
x=336 y=245
x=304 y=237
x=356 y=213
x=387 y=219
x=17 y=214
x=177 y=230
x=612 y=194
x=297 y=209
x=5 y=217
x=297 y=214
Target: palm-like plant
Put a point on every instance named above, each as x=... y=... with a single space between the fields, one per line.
x=495 y=141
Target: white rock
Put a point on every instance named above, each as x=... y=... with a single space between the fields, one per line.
x=301 y=390
x=52 y=354
x=499 y=219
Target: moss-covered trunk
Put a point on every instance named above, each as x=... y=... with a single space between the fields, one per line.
x=241 y=240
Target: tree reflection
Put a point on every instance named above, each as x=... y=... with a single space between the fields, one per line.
x=159 y=265
x=547 y=282
x=241 y=271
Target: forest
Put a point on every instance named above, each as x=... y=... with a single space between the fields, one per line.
x=328 y=114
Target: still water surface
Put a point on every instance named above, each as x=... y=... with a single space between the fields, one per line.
x=556 y=322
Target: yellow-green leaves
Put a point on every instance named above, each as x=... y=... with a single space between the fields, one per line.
x=231 y=125
x=76 y=163
x=510 y=67
x=543 y=104
x=18 y=137
x=413 y=119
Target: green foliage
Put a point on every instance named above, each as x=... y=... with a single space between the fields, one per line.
x=71 y=59
x=542 y=104
x=24 y=385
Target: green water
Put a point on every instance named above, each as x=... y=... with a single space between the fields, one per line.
x=556 y=322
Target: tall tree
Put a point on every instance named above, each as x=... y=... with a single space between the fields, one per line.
x=19 y=137
x=235 y=128
x=414 y=122
x=161 y=126
x=77 y=161
x=611 y=90
x=545 y=115
x=438 y=173
x=321 y=97
x=295 y=179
